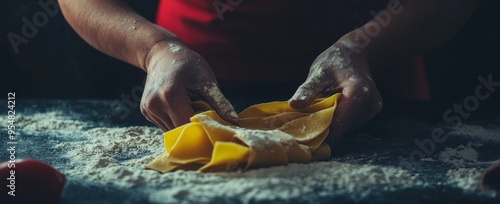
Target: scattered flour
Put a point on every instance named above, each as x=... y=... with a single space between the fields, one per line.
x=175 y=47
x=53 y=121
x=492 y=134
x=466 y=156
x=282 y=183
x=354 y=79
x=468 y=179
x=365 y=89
x=465 y=178
x=115 y=157
x=460 y=156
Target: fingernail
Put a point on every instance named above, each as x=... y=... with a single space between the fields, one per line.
x=233 y=117
x=298 y=98
x=233 y=114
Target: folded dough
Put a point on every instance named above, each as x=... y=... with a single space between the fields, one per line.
x=269 y=134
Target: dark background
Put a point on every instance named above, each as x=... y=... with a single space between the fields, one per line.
x=56 y=63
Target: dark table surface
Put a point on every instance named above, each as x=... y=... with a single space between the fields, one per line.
x=391 y=135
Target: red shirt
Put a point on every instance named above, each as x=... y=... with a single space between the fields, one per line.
x=264 y=40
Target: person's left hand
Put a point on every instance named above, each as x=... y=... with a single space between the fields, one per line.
x=337 y=71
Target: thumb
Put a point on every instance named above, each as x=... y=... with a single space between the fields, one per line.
x=306 y=93
x=219 y=103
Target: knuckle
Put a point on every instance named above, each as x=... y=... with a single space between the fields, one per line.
x=168 y=97
x=149 y=103
x=144 y=109
x=164 y=97
x=144 y=106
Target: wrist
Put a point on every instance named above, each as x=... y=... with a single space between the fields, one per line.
x=352 y=46
x=162 y=48
x=350 y=50
x=357 y=47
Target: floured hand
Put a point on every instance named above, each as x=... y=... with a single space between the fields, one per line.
x=176 y=76
x=337 y=71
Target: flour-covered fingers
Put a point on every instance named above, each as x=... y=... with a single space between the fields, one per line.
x=356 y=106
x=178 y=106
x=345 y=114
x=214 y=97
x=146 y=110
x=315 y=84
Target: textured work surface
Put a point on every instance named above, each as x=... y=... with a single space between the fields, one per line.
x=102 y=149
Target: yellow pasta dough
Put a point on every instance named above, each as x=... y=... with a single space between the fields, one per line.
x=269 y=134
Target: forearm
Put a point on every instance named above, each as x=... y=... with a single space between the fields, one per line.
x=414 y=27
x=114 y=28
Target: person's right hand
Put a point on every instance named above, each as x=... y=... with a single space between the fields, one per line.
x=337 y=71
x=176 y=76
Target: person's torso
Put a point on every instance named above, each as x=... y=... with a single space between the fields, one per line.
x=260 y=40
x=263 y=41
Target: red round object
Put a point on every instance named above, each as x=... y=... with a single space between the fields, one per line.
x=31 y=181
x=491 y=177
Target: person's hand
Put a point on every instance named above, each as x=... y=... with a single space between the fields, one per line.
x=177 y=76
x=337 y=71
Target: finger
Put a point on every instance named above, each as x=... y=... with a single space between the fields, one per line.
x=343 y=116
x=307 y=92
x=154 y=119
x=369 y=114
x=153 y=109
x=214 y=97
x=179 y=107
x=352 y=113
x=347 y=112
x=159 y=114
x=165 y=124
